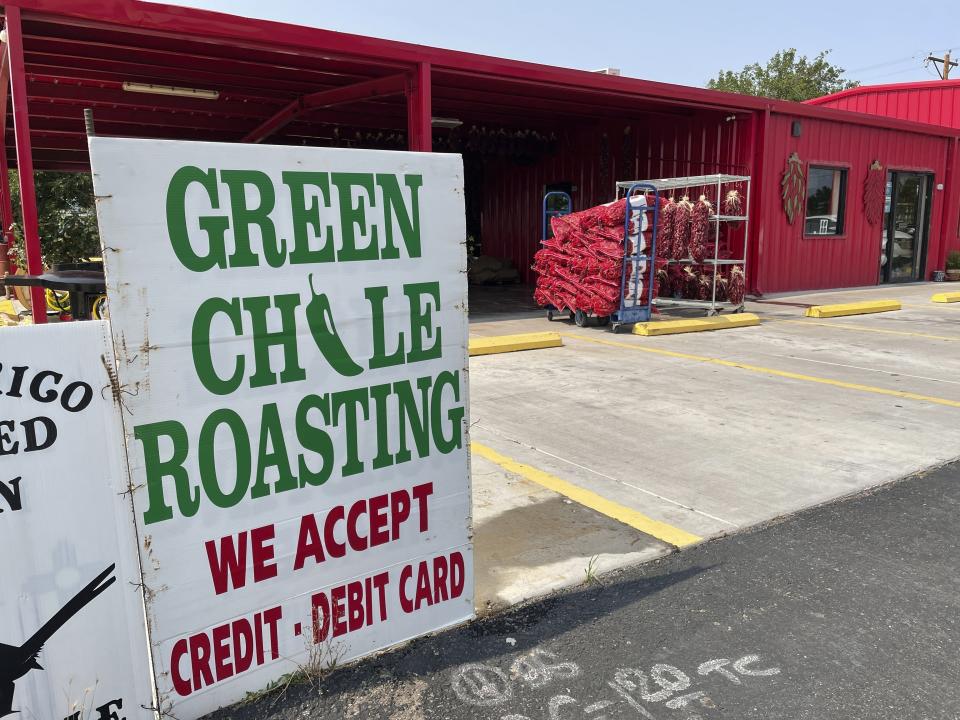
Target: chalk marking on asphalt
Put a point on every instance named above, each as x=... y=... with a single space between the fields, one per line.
x=841 y=326
x=773 y=372
x=659 y=530
x=663 y=498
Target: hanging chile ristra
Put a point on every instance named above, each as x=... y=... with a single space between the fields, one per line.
x=732 y=203
x=792 y=184
x=700 y=228
x=665 y=231
x=681 y=228
x=874 y=193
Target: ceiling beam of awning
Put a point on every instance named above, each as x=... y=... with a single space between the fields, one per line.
x=381 y=87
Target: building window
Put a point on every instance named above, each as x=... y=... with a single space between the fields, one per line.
x=826 y=198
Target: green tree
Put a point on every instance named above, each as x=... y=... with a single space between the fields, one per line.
x=786 y=76
x=67 y=219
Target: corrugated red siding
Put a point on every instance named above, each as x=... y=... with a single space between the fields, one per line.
x=658 y=147
x=789 y=261
x=936 y=103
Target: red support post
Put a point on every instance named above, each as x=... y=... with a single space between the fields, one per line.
x=419 y=109
x=6 y=202
x=759 y=142
x=21 y=129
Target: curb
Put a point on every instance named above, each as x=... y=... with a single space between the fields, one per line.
x=857 y=308
x=948 y=297
x=514 y=343
x=675 y=327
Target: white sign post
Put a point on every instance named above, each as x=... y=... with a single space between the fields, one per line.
x=72 y=638
x=291 y=334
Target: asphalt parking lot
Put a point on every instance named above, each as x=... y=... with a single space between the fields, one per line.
x=617 y=448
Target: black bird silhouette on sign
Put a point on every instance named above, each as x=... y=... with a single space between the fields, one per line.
x=15 y=662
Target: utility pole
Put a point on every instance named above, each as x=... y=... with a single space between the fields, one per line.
x=946 y=62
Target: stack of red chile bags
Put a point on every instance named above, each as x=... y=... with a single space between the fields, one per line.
x=581 y=266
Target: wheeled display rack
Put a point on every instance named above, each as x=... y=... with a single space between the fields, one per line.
x=643 y=270
x=701 y=183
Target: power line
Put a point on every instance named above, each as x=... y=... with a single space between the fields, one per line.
x=888 y=63
x=885 y=64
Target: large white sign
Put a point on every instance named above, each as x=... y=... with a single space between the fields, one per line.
x=291 y=334
x=72 y=637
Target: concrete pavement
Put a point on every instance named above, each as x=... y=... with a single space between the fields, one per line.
x=709 y=432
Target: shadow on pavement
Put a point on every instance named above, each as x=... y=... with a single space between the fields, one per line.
x=530 y=625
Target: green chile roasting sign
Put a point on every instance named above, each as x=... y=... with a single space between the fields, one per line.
x=290 y=332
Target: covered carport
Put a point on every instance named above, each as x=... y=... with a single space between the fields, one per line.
x=158 y=71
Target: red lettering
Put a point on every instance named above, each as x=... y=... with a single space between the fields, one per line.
x=200 y=660
x=357 y=542
x=378 y=520
x=399 y=511
x=423 y=586
x=368 y=594
x=262 y=550
x=458 y=575
x=318 y=604
x=230 y=562
x=180 y=684
x=439 y=579
x=420 y=494
x=336 y=549
x=271 y=617
x=405 y=604
x=221 y=652
x=224 y=651
x=354 y=606
x=308 y=543
x=380 y=583
x=336 y=606
x=242 y=659
x=258 y=638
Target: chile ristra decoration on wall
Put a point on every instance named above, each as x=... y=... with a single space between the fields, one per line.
x=792 y=184
x=874 y=193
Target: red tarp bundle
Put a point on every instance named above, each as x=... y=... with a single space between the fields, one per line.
x=581 y=266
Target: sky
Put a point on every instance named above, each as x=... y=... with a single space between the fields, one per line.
x=876 y=41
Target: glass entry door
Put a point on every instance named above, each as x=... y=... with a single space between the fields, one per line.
x=906 y=222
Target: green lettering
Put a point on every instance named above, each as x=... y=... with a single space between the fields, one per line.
x=418 y=422
x=314 y=439
x=200 y=345
x=214 y=226
x=207 y=456
x=263 y=339
x=307 y=217
x=375 y=296
x=272 y=453
x=243 y=217
x=455 y=414
x=188 y=498
x=349 y=400
x=421 y=323
x=380 y=395
x=355 y=215
x=407 y=220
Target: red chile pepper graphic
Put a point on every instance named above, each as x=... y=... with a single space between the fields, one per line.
x=324 y=331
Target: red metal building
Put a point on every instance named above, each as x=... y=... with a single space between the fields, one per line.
x=151 y=70
x=936 y=102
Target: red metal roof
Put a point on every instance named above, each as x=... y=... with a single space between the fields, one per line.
x=936 y=102
x=79 y=53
